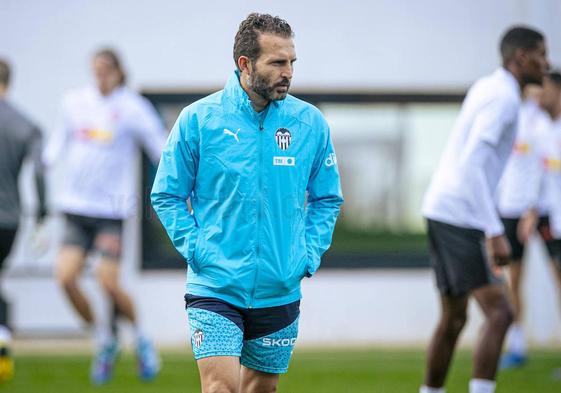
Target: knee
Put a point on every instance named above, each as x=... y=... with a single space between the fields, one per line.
x=455 y=323
x=220 y=387
x=110 y=286
x=67 y=281
x=501 y=317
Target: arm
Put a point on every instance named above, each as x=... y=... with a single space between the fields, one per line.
x=35 y=150
x=150 y=131
x=482 y=198
x=480 y=153
x=174 y=183
x=324 y=200
x=58 y=139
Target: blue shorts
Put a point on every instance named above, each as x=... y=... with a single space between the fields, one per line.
x=263 y=338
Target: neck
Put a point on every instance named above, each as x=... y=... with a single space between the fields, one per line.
x=107 y=92
x=516 y=73
x=3 y=91
x=257 y=102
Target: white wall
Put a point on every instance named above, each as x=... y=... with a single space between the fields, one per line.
x=380 y=45
x=179 y=44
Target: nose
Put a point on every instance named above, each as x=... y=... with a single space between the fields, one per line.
x=287 y=71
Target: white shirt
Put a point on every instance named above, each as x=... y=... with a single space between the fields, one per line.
x=520 y=187
x=96 y=144
x=552 y=166
x=461 y=191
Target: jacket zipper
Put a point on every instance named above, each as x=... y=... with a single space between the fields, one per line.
x=259 y=213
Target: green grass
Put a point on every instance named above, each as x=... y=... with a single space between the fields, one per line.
x=318 y=371
x=346 y=239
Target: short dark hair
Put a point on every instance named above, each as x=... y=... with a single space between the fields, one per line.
x=4 y=72
x=112 y=56
x=246 y=42
x=519 y=37
x=555 y=77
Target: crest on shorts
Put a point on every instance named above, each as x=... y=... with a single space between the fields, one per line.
x=283 y=138
x=198 y=337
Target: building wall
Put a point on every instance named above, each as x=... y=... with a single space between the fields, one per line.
x=435 y=45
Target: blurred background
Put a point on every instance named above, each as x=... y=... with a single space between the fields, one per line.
x=389 y=75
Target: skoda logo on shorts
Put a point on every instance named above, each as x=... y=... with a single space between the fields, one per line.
x=198 y=338
x=278 y=342
x=283 y=138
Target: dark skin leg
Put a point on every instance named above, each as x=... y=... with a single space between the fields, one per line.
x=452 y=320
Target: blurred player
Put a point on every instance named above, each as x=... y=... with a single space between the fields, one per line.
x=101 y=129
x=519 y=194
x=530 y=179
x=246 y=156
x=552 y=104
x=461 y=214
x=19 y=138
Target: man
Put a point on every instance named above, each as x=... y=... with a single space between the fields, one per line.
x=101 y=129
x=460 y=211
x=525 y=199
x=19 y=138
x=519 y=205
x=551 y=103
x=245 y=157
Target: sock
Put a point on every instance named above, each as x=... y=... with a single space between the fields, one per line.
x=482 y=386
x=5 y=334
x=138 y=332
x=102 y=334
x=516 y=342
x=426 y=389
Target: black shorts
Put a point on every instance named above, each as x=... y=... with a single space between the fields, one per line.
x=459 y=258
x=7 y=237
x=85 y=232
x=511 y=232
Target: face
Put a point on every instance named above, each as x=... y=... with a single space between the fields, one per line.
x=534 y=64
x=551 y=95
x=107 y=75
x=270 y=75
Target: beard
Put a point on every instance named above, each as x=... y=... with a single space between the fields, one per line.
x=263 y=86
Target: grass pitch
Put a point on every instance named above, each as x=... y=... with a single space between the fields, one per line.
x=311 y=371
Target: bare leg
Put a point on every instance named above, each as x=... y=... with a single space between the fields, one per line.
x=219 y=374
x=108 y=277
x=70 y=264
x=515 y=270
x=253 y=381
x=441 y=348
x=494 y=302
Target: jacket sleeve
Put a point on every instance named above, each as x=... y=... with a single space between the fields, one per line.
x=324 y=200
x=174 y=182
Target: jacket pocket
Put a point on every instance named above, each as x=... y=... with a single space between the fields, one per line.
x=199 y=253
x=299 y=258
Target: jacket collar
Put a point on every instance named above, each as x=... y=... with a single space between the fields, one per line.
x=239 y=98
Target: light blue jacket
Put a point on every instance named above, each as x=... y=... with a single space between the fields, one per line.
x=252 y=235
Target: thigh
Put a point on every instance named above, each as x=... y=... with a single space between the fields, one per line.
x=492 y=297
x=108 y=238
x=253 y=381
x=219 y=374
x=460 y=260
x=70 y=262
x=270 y=336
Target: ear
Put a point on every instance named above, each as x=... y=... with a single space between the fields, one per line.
x=520 y=56
x=244 y=64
